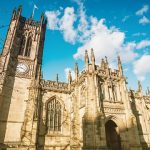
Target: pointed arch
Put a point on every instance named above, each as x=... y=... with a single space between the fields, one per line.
x=54 y=114
x=119 y=122
x=28 y=46
x=113 y=139
x=22 y=45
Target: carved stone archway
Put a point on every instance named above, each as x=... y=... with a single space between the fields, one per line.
x=112 y=135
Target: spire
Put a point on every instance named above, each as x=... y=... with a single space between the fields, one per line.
x=148 y=91
x=92 y=57
x=57 y=77
x=76 y=70
x=102 y=63
x=42 y=18
x=106 y=62
x=69 y=77
x=139 y=86
x=19 y=10
x=86 y=60
x=14 y=13
x=120 y=66
x=34 y=7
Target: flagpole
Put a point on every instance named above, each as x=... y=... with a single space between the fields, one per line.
x=33 y=12
x=34 y=7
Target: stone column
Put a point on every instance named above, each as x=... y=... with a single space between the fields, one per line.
x=75 y=135
x=134 y=139
x=106 y=91
x=93 y=122
x=28 y=133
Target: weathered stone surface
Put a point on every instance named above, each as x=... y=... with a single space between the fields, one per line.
x=95 y=111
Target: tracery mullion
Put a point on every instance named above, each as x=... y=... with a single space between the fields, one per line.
x=28 y=47
x=48 y=119
x=59 y=119
x=115 y=92
x=54 y=116
x=22 y=45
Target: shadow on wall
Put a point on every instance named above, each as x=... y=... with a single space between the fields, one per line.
x=113 y=139
x=116 y=138
x=5 y=100
x=111 y=131
x=139 y=126
x=41 y=131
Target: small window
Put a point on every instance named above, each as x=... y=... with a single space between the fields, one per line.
x=22 y=45
x=54 y=115
x=28 y=47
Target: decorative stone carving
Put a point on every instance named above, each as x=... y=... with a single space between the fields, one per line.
x=94 y=86
x=55 y=86
x=26 y=134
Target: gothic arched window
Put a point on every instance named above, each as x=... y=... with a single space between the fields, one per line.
x=28 y=47
x=54 y=115
x=22 y=46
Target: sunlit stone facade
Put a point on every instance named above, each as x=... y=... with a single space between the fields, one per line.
x=95 y=111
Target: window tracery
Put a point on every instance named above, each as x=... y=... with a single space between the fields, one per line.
x=54 y=115
x=22 y=45
x=28 y=47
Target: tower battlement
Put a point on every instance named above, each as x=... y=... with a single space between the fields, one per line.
x=94 y=111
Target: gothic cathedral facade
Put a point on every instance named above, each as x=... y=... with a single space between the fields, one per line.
x=95 y=111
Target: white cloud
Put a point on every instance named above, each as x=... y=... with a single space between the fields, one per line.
x=83 y=19
x=64 y=24
x=91 y=32
x=106 y=42
x=67 y=72
x=143 y=44
x=67 y=25
x=143 y=10
x=103 y=40
x=139 y=34
x=125 y=18
x=144 y=20
x=127 y=51
x=142 y=67
x=125 y=69
x=53 y=20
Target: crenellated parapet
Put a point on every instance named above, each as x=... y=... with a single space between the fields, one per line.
x=54 y=86
x=94 y=110
x=102 y=71
x=147 y=100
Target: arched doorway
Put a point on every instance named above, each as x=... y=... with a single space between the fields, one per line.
x=112 y=135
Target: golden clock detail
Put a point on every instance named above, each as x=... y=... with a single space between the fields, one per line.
x=22 y=68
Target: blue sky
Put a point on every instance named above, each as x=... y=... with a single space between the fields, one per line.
x=111 y=27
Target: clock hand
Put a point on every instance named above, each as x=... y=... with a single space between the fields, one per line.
x=23 y=68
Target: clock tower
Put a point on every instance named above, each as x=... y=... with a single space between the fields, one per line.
x=20 y=68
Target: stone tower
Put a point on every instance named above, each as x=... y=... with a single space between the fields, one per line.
x=94 y=111
x=20 y=67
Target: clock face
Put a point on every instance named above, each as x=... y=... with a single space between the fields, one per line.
x=22 y=68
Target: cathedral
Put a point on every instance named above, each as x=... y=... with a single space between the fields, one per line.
x=94 y=111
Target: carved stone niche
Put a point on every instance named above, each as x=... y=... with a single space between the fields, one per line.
x=113 y=110
x=82 y=96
